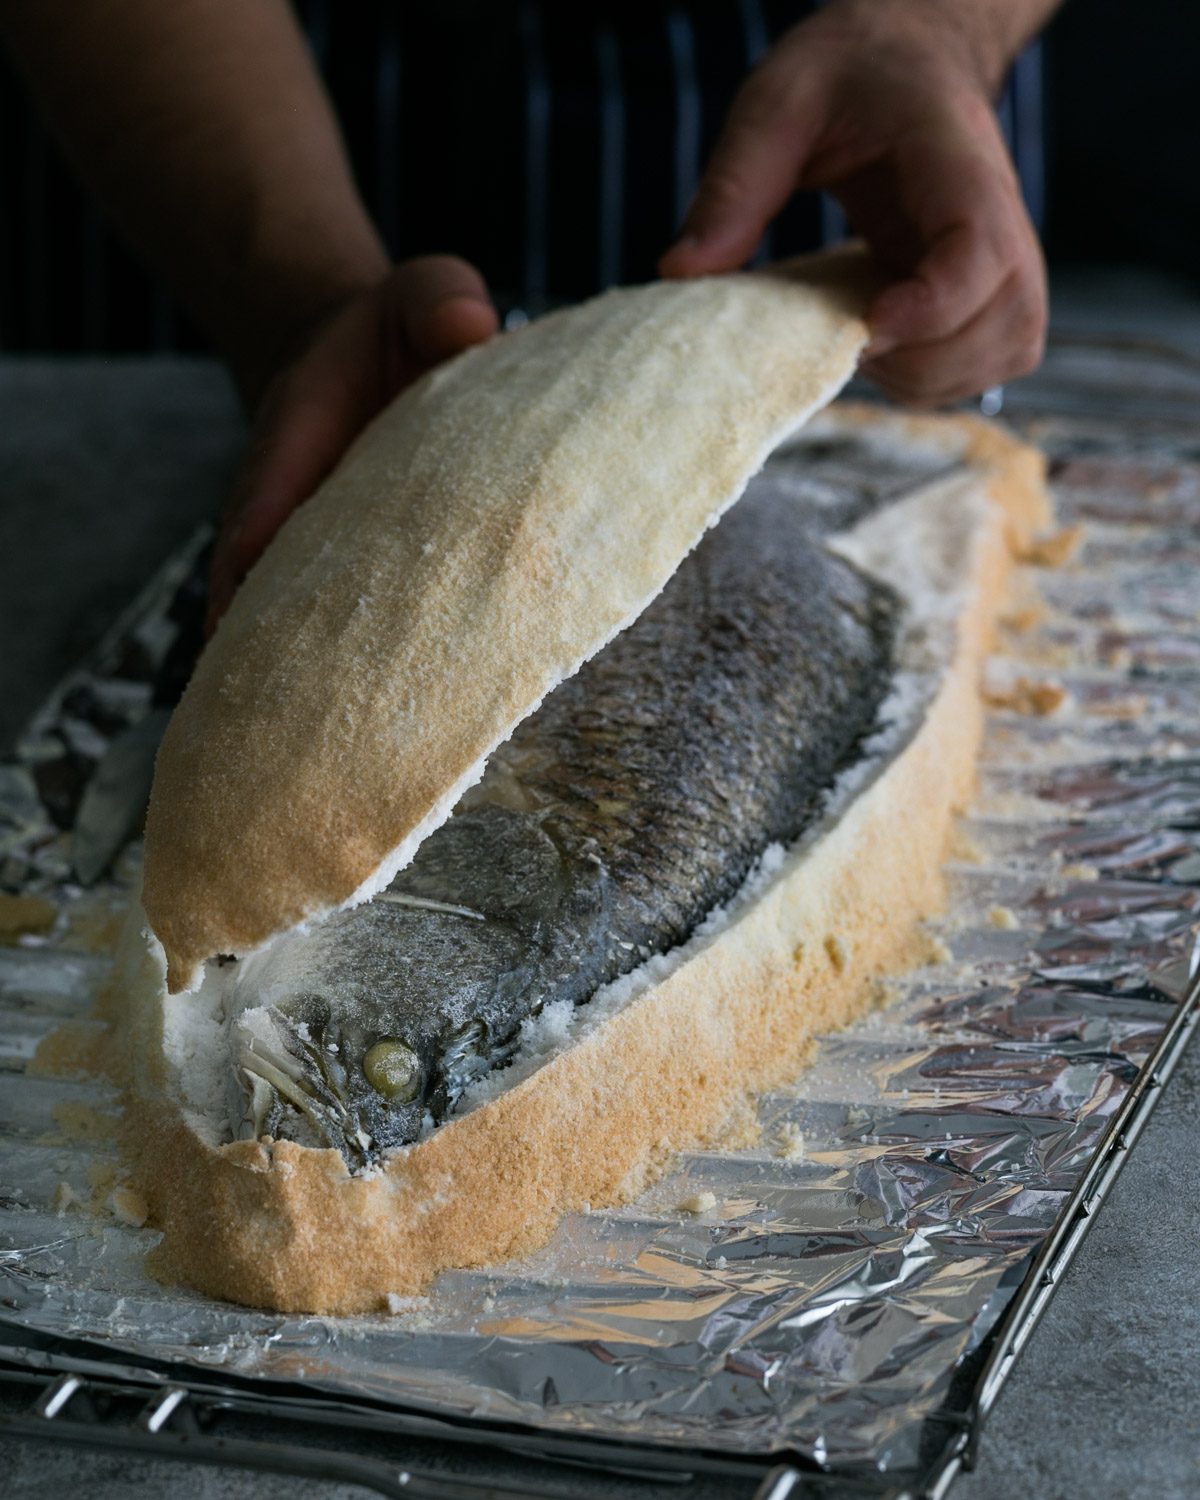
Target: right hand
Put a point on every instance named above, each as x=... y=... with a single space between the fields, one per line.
x=887 y=105
x=350 y=365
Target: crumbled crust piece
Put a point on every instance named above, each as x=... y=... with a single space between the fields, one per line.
x=128 y=1205
x=1055 y=548
x=1025 y=695
x=21 y=916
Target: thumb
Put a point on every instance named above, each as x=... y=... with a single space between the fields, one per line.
x=751 y=173
x=440 y=306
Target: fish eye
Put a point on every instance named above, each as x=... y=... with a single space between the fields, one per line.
x=393 y=1070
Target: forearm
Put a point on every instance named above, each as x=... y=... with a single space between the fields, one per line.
x=206 y=133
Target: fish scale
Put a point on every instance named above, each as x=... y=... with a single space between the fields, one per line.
x=636 y=800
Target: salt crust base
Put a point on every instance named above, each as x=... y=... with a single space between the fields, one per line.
x=277 y=1225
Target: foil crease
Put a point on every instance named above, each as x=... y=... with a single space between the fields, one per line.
x=823 y=1292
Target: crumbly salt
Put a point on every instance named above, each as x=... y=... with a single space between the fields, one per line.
x=65 y=1197
x=789 y=1142
x=937 y=951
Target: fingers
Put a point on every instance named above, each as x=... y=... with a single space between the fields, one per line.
x=964 y=219
x=971 y=312
x=1003 y=341
x=956 y=278
x=753 y=169
x=970 y=328
x=427 y=310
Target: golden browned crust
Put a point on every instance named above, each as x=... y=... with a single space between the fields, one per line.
x=284 y=1226
x=495 y=526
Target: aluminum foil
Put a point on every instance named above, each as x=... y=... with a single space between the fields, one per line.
x=823 y=1292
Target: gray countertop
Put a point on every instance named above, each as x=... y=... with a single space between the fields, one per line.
x=107 y=465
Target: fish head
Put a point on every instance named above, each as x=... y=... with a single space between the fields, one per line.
x=368 y=1028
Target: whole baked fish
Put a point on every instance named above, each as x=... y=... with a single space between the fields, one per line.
x=633 y=802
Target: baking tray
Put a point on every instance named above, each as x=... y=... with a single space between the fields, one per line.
x=1111 y=775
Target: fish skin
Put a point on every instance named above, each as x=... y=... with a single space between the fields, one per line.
x=636 y=799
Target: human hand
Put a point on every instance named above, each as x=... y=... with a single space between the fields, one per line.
x=350 y=366
x=886 y=104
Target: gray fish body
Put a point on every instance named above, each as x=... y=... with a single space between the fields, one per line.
x=630 y=805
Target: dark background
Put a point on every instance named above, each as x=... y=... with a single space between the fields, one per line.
x=555 y=145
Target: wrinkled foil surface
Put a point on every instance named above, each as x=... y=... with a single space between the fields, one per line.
x=820 y=1292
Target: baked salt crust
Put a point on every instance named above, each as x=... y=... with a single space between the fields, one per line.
x=673 y=1055
x=493 y=528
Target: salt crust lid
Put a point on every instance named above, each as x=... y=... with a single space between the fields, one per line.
x=493 y=528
